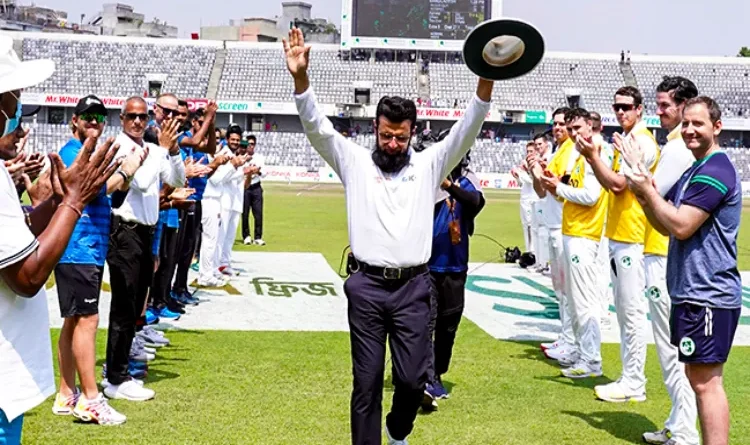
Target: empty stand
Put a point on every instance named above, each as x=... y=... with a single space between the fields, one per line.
x=109 y=68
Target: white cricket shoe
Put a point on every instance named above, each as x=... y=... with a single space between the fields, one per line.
x=392 y=441
x=212 y=282
x=658 y=437
x=616 y=392
x=565 y=352
x=129 y=390
x=260 y=242
x=583 y=370
x=552 y=345
x=98 y=411
x=248 y=240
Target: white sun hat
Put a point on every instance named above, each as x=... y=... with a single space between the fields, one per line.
x=15 y=74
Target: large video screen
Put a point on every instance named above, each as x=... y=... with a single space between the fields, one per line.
x=418 y=19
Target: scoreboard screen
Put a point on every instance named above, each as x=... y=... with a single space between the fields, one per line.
x=418 y=19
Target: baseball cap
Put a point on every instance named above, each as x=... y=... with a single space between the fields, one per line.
x=17 y=75
x=91 y=104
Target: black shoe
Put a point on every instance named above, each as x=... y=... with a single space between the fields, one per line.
x=175 y=307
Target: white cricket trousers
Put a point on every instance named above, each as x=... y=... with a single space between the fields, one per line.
x=227 y=234
x=683 y=415
x=209 y=255
x=527 y=214
x=557 y=273
x=604 y=279
x=628 y=281
x=541 y=245
x=582 y=279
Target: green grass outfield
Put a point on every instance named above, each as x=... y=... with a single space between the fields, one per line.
x=226 y=387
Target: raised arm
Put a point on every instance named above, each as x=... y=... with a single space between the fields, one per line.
x=171 y=167
x=463 y=134
x=199 y=140
x=331 y=145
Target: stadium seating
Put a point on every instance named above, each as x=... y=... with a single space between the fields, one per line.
x=260 y=74
x=121 y=69
x=543 y=89
x=728 y=83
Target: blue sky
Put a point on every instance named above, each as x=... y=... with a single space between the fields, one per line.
x=681 y=27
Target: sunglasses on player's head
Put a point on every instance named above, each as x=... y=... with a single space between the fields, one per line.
x=623 y=107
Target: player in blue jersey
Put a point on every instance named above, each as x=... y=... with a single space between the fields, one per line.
x=701 y=214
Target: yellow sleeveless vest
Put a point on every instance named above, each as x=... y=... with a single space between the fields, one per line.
x=580 y=220
x=626 y=222
x=656 y=243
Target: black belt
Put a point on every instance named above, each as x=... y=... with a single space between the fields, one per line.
x=392 y=273
x=132 y=225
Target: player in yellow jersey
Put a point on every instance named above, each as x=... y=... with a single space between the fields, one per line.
x=674 y=160
x=584 y=212
x=626 y=226
x=551 y=206
x=602 y=256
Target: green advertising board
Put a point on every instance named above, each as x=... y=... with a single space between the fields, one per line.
x=535 y=117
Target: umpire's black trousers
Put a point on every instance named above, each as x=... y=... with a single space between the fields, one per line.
x=162 y=284
x=447 y=309
x=397 y=309
x=253 y=199
x=131 y=268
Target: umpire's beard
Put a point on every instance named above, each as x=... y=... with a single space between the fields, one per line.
x=390 y=163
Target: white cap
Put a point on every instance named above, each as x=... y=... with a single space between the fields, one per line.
x=15 y=74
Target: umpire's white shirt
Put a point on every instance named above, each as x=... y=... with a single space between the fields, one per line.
x=390 y=217
x=141 y=205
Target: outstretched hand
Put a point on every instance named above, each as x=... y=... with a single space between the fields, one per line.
x=297 y=53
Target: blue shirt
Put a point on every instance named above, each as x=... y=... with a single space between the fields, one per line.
x=702 y=269
x=447 y=257
x=90 y=240
x=199 y=183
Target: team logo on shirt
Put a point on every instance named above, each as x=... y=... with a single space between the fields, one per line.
x=578 y=170
x=653 y=293
x=687 y=346
x=626 y=262
x=574 y=259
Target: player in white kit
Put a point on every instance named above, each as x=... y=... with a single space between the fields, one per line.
x=552 y=217
x=528 y=197
x=544 y=154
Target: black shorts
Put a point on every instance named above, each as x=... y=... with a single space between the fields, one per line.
x=78 y=288
x=703 y=334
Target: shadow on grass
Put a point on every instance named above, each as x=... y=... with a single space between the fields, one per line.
x=532 y=352
x=622 y=425
x=589 y=383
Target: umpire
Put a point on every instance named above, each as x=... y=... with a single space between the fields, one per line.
x=390 y=195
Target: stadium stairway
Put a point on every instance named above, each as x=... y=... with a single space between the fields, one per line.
x=628 y=75
x=215 y=78
x=18 y=47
